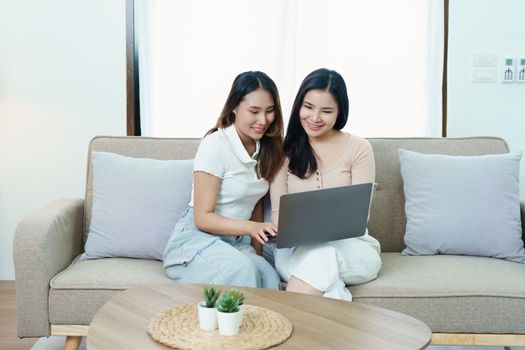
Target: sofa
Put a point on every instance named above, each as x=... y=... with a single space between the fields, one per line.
x=465 y=300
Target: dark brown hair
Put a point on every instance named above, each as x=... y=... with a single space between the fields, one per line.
x=296 y=144
x=270 y=156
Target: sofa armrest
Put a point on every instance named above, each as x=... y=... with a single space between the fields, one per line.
x=45 y=243
x=522 y=215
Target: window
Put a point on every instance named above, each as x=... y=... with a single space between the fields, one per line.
x=389 y=52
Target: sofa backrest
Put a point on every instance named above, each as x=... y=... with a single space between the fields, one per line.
x=387 y=218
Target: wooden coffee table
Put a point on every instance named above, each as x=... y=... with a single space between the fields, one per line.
x=318 y=323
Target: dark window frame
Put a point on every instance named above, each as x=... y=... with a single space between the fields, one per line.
x=132 y=74
x=444 y=91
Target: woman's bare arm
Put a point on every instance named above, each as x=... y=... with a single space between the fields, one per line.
x=206 y=190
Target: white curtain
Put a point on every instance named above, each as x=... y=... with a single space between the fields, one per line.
x=389 y=52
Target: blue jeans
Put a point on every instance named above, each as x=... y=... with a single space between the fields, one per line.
x=193 y=256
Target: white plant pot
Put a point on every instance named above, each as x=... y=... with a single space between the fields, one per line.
x=241 y=313
x=207 y=317
x=228 y=323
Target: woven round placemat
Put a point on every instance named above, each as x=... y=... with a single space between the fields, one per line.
x=179 y=328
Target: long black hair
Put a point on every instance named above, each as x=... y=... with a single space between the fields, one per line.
x=270 y=156
x=296 y=144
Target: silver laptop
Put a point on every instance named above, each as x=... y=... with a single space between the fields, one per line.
x=323 y=215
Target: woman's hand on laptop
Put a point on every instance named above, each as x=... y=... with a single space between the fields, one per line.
x=261 y=230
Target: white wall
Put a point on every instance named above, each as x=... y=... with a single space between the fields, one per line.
x=495 y=109
x=62 y=81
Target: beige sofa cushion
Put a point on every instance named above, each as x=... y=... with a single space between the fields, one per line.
x=451 y=293
x=78 y=292
x=110 y=273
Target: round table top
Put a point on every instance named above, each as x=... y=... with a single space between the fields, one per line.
x=318 y=322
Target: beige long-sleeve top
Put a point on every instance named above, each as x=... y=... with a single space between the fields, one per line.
x=355 y=166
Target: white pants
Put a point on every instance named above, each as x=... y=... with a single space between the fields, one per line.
x=329 y=267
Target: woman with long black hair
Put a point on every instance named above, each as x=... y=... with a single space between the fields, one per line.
x=320 y=155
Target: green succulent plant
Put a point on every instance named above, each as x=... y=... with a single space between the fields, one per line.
x=228 y=303
x=238 y=294
x=210 y=296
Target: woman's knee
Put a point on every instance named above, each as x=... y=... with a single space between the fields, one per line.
x=375 y=265
x=364 y=269
x=238 y=269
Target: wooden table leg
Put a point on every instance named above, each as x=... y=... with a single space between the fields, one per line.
x=72 y=343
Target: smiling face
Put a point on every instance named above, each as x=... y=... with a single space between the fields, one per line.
x=253 y=116
x=318 y=113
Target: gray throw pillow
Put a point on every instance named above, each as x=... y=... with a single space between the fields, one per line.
x=136 y=204
x=465 y=205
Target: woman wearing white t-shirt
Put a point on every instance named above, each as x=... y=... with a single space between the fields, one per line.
x=232 y=168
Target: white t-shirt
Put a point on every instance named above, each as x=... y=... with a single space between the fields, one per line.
x=222 y=154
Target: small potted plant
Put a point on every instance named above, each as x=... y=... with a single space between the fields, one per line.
x=240 y=296
x=207 y=310
x=228 y=314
